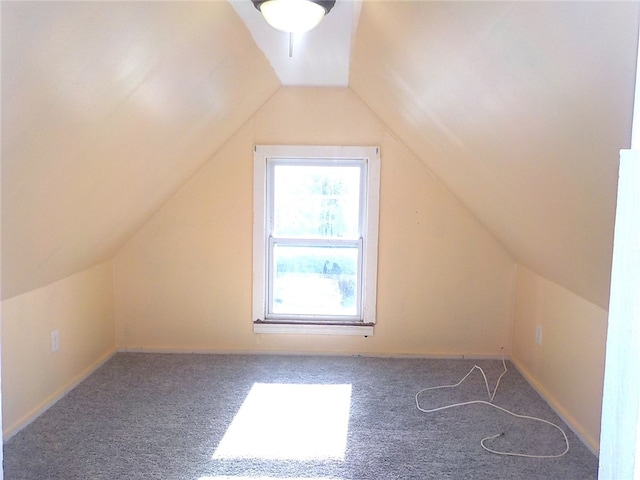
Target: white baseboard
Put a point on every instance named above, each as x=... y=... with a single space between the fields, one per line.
x=208 y=351
x=53 y=399
x=35 y=413
x=591 y=443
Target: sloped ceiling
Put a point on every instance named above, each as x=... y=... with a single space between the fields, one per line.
x=107 y=109
x=519 y=108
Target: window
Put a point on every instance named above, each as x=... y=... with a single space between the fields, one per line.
x=315 y=239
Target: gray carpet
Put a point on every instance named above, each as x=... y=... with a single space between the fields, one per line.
x=162 y=416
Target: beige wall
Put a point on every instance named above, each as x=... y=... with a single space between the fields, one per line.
x=81 y=308
x=183 y=282
x=568 y=366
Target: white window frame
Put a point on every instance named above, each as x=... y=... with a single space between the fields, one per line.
x=370 y=189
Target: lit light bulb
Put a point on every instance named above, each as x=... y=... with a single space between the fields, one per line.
x=292 y=16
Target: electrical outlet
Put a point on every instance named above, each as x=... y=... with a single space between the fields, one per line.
x=538 y=334
x=55 y=341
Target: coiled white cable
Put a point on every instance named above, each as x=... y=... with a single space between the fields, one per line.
x=491 y=404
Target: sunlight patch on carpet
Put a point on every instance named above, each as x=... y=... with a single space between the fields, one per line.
x=289 y=422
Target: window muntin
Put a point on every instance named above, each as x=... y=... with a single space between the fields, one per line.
x=315 y=234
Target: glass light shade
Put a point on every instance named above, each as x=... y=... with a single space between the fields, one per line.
x=295 y=16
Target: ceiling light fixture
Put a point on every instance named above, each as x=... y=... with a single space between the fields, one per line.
x=294 y=16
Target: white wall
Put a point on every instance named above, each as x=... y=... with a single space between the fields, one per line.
x=621 y=404
x=1 y=437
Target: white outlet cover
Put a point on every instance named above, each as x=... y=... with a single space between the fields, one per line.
x=55 y=341
x=539 y=335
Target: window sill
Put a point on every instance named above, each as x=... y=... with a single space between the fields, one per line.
x=311 y=329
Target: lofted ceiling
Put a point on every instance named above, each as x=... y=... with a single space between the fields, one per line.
x=520 y=108
x=108 y=108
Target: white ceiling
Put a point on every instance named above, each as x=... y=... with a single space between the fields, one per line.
x=320 y=57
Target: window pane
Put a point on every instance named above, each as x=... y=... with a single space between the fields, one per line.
x=316 y=201
x=315 y=280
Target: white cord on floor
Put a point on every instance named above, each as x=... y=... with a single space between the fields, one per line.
x=491 y=404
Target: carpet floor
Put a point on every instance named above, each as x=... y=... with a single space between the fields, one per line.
x=249 y=417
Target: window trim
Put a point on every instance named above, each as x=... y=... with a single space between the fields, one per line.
x=371 y=187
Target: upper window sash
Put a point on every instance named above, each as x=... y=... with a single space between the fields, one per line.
x=321 y=162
